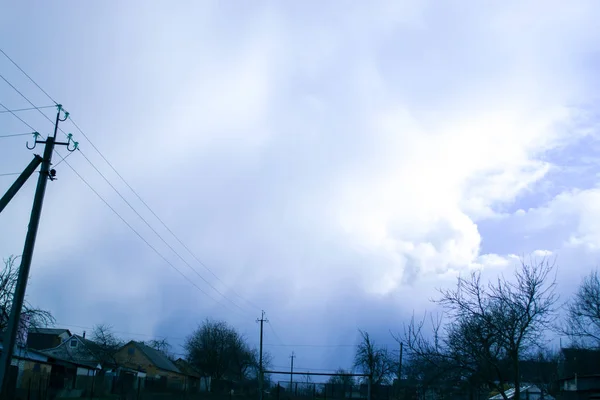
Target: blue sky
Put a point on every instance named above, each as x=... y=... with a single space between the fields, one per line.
x=332 y=163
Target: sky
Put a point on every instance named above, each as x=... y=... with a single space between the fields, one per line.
x=332 y=163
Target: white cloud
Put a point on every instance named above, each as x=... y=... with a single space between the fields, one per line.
x=324 y=153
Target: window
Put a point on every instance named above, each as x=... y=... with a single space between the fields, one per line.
x=73 y=343
x=131 y=351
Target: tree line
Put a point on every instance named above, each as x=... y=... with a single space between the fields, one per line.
x=480 y=339
x=487 y=331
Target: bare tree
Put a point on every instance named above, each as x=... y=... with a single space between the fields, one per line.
x=220 y=351
x=341 y=378
x=161 y=345
x=31 y=317
x=373 y=360
x=105 y=344
x=583 y=318
x=491 y=328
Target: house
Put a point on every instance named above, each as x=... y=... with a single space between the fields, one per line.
x=80 y=350
x=34 y=368
x=579 y=372
x=194 y=380
x=46 y=338
x=527 y=392
x=154 y=363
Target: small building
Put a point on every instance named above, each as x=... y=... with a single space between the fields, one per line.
x=579 y=374
x=33 y=368
x=160 y=370
x=527 y=392
x=46 y=338
x=194 y=380
x=80 y=350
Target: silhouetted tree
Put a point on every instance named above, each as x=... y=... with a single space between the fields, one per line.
x=491 y=327
x=105 y=344
x=161 y=345
x=218 y=350
x=31 y=317
x=341 y=378
x=583 y=318
x=373 y=360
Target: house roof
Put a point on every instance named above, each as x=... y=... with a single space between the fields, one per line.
x=510 y=393
x=49 y=331
x=157 y=358
x=186 y=368
x=89 y=353
x=579 y=361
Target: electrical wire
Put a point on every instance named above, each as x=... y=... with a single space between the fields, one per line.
x=122 y=332
x=158 y=234
x=138 y=234
x=25 y=73
x=274 y=333
x=124 y=181
x=160 y=219
x=11 y=173
x=19 y=118
x=25 y=109
x=122 y=197
x=309 y=345
x=62 y=158
x=15 y=134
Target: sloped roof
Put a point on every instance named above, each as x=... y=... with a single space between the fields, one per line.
x=88 y=354
x=50 y=331
x=186 y=368
x=157 y=358
x=579 y=361
x=510 y=393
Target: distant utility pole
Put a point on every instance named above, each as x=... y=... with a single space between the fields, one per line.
x=292 y=369
x=261 y=378
x=400 y=363
x=14 y=319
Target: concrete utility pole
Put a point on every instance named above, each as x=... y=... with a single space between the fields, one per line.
x=292 y=369
x=14 y=319
x=261 y=379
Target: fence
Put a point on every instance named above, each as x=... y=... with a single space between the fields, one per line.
x=124 y=387
x=328 y=391
x=129 y=387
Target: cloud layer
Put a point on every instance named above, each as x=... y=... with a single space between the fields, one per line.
x=332 y=164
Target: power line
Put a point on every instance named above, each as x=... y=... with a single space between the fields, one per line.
x=156 y=232
x=274 y=333
x=25 y=109
x=11 y=173
x=19 y=118
x=29 y=101
x=62 y=158
x=122 y=332
x=309 y=345
x=15 y=134
x=158 y=218
x=121 y=177
x=25 y=73
x=122 y=197
x=139 y=235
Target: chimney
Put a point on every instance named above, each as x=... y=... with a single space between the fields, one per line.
x=84 y=334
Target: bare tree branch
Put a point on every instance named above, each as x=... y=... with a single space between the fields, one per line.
x=31 y=317
x=583 y=318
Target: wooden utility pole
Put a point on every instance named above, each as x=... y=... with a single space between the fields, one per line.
x=14 y=319
x=261 y=377
x=292 y=369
